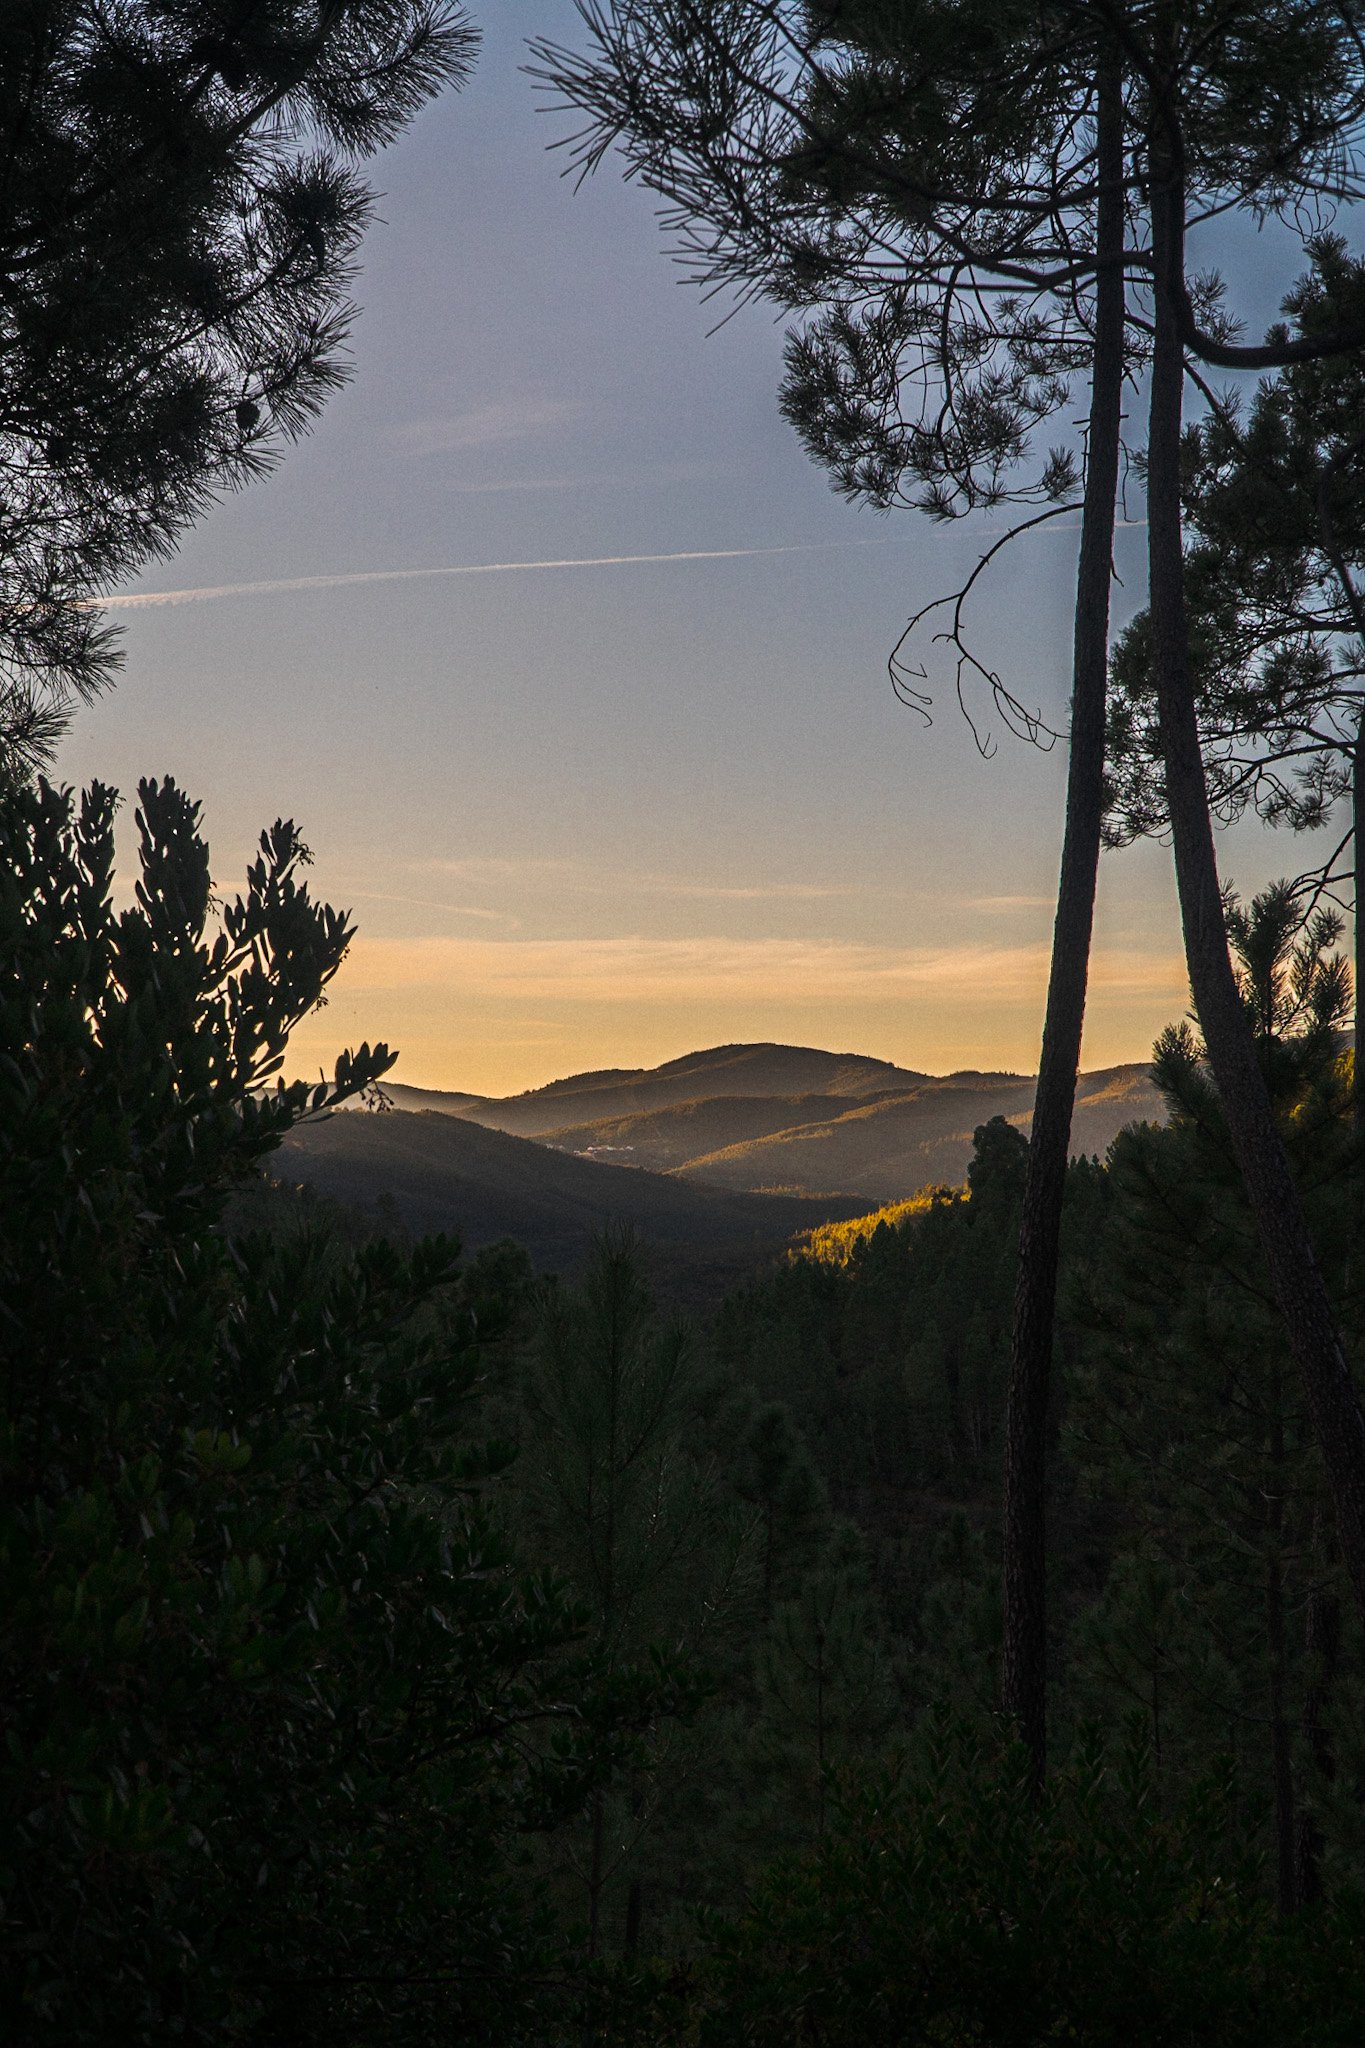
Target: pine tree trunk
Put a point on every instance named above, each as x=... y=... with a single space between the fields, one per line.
x=1295 y=1276
x=635 y=1901
x=1025 y=1559
x=1358 y=927
x=1322 y=1650
x=1356 y=607
x=1281 y=1750
x=596 y=1861
x=1281 y=1754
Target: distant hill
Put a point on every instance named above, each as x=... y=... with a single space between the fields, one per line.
x=790 y=1118
x=886 y=1149
x=446 y=1173
x=667 y=1138
x=720 y=1071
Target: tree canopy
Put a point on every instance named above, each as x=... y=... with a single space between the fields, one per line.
x=280 y=1701
x=183 y=206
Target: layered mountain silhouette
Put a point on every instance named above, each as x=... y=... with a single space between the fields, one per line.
x=723 y=1073
x=753 y=1118
x=719 y=1159
x=441 y=1172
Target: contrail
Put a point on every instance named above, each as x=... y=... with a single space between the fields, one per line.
x=142 y=599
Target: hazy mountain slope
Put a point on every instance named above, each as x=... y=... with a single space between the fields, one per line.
x=664 y=1138
x=721 y=1070
x=754 y=1117
x=441 y=1172
x=1109 y=1099
x=442 y=1100
x=885 y=1150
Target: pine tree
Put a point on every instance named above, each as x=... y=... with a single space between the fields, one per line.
x=771 y=1470
x=1272 y=570
x=280 y=1702
x=825 y=1692
x=927 y=175
x=182 y=212
x=620 y=1493
x=1202 y=1423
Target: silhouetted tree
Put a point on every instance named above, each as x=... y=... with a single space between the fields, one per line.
x=278 y=1699
x=928 y=172
x=1272 y=505
x=181 y=214
x=1200 y=1425
x=825 y=1691
x=632 y=1514
x=949 y=182
x=1178 y=128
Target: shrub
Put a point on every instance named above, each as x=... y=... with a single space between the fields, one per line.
x=278 y=1699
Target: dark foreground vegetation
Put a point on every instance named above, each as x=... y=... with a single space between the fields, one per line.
x=401 y=1649
x=958 y=1639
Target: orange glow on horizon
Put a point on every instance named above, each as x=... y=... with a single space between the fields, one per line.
x=496 y=1016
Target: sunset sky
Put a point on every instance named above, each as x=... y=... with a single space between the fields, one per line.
x=575 y=674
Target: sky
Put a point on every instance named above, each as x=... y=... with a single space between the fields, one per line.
x=572 y=669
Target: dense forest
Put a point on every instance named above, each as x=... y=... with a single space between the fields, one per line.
x=405 y=1644
x=956 y=1636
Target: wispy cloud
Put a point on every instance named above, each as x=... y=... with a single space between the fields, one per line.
x=521 y=483
x=991 y=904
x=597 y=480
x=431 y=903
x=635 y=970
x=490 y=425
x=577 y=878
x=146 y=600
x=568 y=877
x=494 y=867
x=717 y=892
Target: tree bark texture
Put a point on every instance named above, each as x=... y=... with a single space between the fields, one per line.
x=634 y=1912
x=1358 y=925
x=1286 y=1244
x=1354 y=604
x=596 y=1865
x=1027 y=1400
x=1281 y=1746
x=1322 y=1654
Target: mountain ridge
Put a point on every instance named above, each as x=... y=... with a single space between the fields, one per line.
x=871 y=1128
x=440 y=1172
x=887 y=1149
x=764 y=1068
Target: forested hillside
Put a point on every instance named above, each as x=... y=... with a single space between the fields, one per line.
x=715 y=1117
x=422 y=1172
x=884 y=1150
x=777 y=1550
x=424 y=1612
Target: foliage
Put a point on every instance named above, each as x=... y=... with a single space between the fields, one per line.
x=279 y=1701
x=918 y=181
x=1183 y=1409
x=836 y=1243
x=947 y=1905
x=917 y=184
x=298 y=1751
x=1272 y=507
x=907 y=181
x=182 y=212
x=825 y=1691
x=890 y=1344
x=618 y=1488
